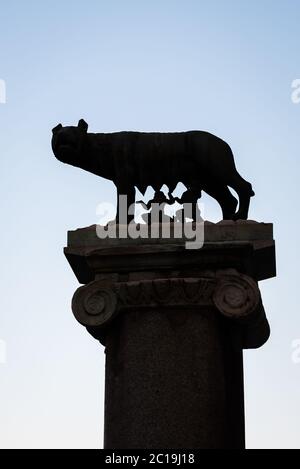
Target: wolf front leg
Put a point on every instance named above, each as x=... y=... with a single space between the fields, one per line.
x=125 y=204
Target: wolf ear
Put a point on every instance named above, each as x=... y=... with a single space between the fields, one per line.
x=83 y=125
x=57 y=128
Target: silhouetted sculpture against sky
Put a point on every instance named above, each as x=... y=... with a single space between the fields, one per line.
x=199 y=160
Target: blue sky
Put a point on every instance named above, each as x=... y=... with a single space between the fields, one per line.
x=225 y=67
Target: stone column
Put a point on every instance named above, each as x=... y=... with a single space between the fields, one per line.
x=174 y=323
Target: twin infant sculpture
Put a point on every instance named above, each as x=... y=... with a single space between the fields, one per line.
x=198 y=159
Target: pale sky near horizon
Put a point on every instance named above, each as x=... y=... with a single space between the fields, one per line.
x=226 y=67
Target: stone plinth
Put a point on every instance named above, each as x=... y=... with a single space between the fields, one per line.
x=174 y=323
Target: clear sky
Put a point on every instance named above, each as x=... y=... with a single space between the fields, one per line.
x=225 y=67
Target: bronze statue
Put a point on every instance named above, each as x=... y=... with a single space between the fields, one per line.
x=200 y=160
